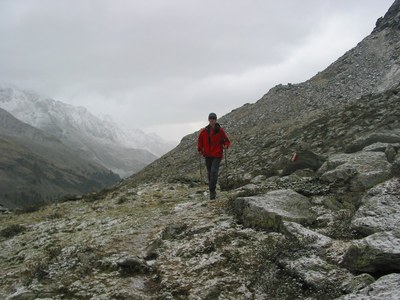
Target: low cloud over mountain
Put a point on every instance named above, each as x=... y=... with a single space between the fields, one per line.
x=123 y=152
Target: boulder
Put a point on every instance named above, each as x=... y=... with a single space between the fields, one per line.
x=391 y=153
x=387 y=287
x=382 y=147
x=132 y=265
x=379 y=210
x=355 y=283
x=360 y=170
x=303 y=158
x=396 y=166
x=389 y=149
x=323 y=276
x=248 y=190
x=377 y=253
x=313 y=239
x=376 y=137
x=268 y=211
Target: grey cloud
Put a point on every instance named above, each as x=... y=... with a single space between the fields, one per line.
x=145 y=61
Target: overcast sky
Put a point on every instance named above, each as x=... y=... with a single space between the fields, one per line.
x=163 y=65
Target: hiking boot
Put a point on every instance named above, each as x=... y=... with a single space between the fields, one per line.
x=213 y=195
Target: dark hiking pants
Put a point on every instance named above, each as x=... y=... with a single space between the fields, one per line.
x=212 y=164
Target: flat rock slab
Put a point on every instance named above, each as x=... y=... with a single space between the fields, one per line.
x=268 y=211
x=373 y=138
x=309 y=237
x=321 y=275
x=362 y=170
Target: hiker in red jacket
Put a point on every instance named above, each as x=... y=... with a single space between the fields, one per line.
x=211 y=144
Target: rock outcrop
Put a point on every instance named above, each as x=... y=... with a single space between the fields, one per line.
x=379 y=210
x=270 y=210
x=377 y=253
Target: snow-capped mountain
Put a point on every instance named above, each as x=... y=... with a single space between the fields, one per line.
x=138 y=139
x=37 y=168
x=98 y=139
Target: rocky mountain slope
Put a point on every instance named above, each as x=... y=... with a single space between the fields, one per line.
x=100 y=140
x=371 y=67
x=325 y=226
x=37 y=167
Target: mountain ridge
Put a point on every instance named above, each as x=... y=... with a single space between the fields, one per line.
x=99 y=140
x=37 y=168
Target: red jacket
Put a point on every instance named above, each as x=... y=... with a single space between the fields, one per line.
x=210 y=142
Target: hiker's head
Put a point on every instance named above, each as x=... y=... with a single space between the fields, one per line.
x=212 y=119
x=212 y=116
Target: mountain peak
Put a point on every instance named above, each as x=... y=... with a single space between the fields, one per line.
x=391 y=18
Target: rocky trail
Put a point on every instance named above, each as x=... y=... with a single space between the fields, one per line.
x=109 y=244
x=296 y=236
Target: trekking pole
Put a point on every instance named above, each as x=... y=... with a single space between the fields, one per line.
x=201 y=174
x=226 y=166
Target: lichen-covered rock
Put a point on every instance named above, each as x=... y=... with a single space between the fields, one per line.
x=386 y=287
x=306 y=236
x=396 y=166
x=377 y=137
x=323 y=276
x=379 y=252
x=361 y=170
x=382 y=147
x=380 y=209
x=268 y=211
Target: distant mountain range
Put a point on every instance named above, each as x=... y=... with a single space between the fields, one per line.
x=49 y=149
x=101 y=140
x=36 y=167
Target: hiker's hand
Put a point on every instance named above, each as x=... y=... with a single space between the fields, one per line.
x=225 y=146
